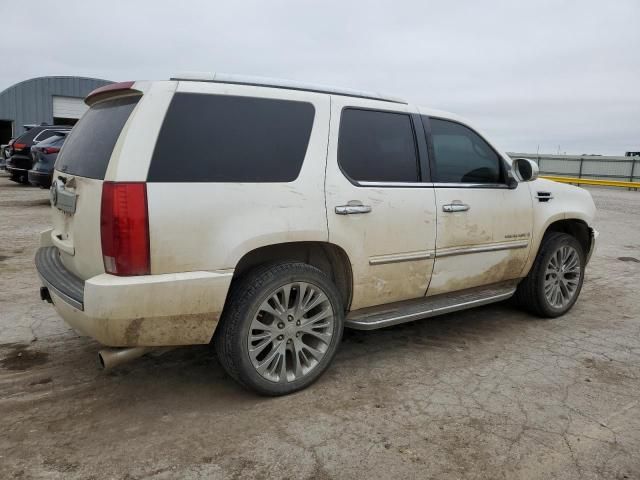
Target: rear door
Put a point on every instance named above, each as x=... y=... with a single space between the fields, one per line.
x=484 y=227
x=379 y=210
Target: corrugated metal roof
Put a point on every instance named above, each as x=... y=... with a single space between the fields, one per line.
x=31 y=101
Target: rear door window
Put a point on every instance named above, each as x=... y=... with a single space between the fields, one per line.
x=224 y=138
x=88 y=148
x=377 y=146
x=461 y=155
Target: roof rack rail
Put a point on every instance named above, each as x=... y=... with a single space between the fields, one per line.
x=285 y=84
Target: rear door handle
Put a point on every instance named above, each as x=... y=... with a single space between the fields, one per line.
x=352 y=208
x=455 y=207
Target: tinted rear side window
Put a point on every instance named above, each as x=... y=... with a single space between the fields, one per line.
x=88 y=148
x=461 y=155
x=377 y=146
x=219 y=138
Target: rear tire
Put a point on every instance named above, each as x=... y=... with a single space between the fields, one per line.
x=280 y=328
x=555 y=280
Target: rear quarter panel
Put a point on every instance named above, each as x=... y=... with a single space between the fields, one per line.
x=210 y=226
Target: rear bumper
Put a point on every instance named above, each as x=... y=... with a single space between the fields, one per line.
x=149 y=310
x=58 y=279
x=20 y=162
x=42 y=179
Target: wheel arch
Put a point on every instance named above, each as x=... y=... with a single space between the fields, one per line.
x=327 y=257
x=576 y=227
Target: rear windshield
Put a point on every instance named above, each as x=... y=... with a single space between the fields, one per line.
x=28 y=136
x=88 y=147
x=54 y=141
x=44 y=134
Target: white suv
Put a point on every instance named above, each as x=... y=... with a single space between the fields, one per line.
x=269 y=215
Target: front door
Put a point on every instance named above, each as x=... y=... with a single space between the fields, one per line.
x=484 y=227
x=378 y=209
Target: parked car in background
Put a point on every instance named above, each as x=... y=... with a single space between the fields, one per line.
x=44 y=156
x=4 y=154
x=296 y=211
x=20 y=160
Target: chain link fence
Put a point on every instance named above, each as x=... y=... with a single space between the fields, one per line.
x=586 y=166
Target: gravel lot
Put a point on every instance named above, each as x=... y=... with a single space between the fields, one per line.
x=488 y=393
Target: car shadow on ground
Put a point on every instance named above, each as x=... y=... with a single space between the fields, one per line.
x=194 y=370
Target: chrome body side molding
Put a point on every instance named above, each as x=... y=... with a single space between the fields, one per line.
x=493 y=247
x=445 y=252
x=400 y=257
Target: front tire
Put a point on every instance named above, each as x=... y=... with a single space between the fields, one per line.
x=555 y=280
x=281 y=328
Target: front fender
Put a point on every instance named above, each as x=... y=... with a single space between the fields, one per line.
x=567 y=203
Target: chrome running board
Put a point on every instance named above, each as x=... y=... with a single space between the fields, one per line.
x=381 y=316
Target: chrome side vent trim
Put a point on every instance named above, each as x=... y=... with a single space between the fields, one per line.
x=544 y=196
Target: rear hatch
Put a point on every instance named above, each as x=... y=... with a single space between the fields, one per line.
x=76 y=190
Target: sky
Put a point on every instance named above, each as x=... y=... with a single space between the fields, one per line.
x=548 y=76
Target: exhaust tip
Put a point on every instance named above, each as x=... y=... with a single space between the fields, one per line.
x=45 y=296
x=101 y=364
x=109 y=358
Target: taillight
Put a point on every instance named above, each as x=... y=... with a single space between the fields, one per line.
x=124 y=228
x=19 y=146
x=48 y=150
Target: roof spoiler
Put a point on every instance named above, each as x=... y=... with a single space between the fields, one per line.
x=106 y=91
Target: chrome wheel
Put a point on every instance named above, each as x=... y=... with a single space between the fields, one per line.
x=291 y=332
x=562 y=276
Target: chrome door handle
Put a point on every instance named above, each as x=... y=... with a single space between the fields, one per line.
x=455 y=207
x=352 y=209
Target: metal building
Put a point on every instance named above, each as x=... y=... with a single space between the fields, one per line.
x=51 y=100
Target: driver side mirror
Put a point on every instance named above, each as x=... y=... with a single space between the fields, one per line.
x=525 y=170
